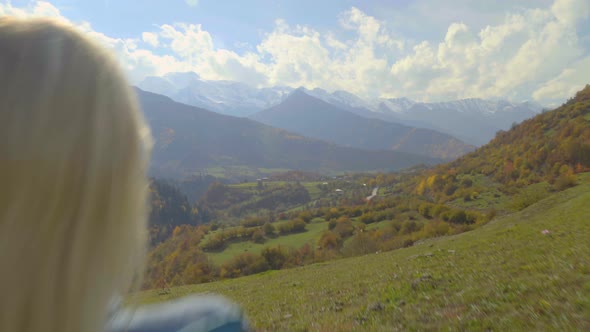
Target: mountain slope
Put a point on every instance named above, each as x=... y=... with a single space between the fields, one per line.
x=189 y=140
x=547 y=149
x=225 y=97
x=312 y=117
x=474 y=120
x=506 y=275
x=541 y=148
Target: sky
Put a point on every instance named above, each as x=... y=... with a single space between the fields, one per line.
x=426 y=50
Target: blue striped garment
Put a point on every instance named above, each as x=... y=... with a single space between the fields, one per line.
x=189 y=314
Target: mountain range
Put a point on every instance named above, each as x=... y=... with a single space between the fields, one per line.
x=190 y=140
x=474 y=121
x=225 y=97
x=312 y=117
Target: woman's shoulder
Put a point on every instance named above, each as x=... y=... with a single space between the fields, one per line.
x=190 y=313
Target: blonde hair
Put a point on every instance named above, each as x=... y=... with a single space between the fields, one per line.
x=73 y=154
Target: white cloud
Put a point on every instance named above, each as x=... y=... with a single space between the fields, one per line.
x=138 y=62
x=194 y=46
x=150 y=38
x=571 y=10
x=508 y=59
x=566 y=84
x=37 y=9
x=297 y=56
x=187 y=40
x=530 y=53
x=192 y=3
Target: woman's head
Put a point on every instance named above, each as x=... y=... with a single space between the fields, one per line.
x=73 y=155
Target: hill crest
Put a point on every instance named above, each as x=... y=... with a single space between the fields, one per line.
x=190 y=140
x=313 y=117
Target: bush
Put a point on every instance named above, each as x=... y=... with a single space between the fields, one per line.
x=425 y=209
x=394 y=227
x=306 y=216
x=231 y=233
x=258 y=236
x=565 y=181
x=268 y=229
x=299 y=226
x=435 y=228
x=253 y=222
x=397 y=243
x=360 y=244
x=457 y=217
x=331 y=224
x=367 y=218
x=216 y=242
x=466 y=183
x=293 y=226
x=344 y=229
x=438 y=210
x=275 y=257
x=355 y=212
x=386 y=214
x=244 y=264
x=409 y=227
x=491 y=214
x=450 y=189
x=200 y=272
x=329 y=240
x=332 y=213
x=247 y=233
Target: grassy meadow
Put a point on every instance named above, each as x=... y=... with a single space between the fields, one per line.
x=295 y=241
x=505 y=275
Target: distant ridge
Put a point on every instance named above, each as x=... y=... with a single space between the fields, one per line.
x=313 y=117
x=190 y=139
x=471 y=120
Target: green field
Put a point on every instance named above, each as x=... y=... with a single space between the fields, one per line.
x=312 y=186
x=506 y=275
x=312 y=189
x=294 y=241
x=241 y=171
x=254 y=185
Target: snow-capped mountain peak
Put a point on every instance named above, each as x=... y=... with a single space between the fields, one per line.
x=474 y=120
x=182 y=80
x=397 y=105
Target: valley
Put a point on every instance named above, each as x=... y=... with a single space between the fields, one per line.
x=450 y=245
x=505 y=275
x=325 y=166
x=191 y=141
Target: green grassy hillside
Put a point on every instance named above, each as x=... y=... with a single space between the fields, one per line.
x=551 y=147
x=294 y=241
x=506 y=275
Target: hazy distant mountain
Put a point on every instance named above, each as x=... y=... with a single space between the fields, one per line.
x=313 y=117
x=474 y=121
x=190 y=140
x=225 y=97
